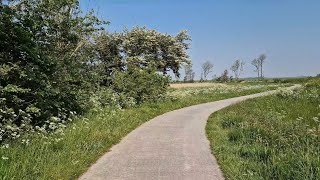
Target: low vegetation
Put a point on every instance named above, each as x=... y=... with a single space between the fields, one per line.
x=276 y=137
x=67 y=154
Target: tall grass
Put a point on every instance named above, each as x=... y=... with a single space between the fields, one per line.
x=87 y=138
x=276 y=137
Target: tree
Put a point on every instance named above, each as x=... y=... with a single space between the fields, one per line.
x=318 y=75
x=261 y=60
x=143 y=48
x=224 y=76
x=206 y=69
x=258 y=64
x=149 y=48
x=237 y=68
x=109 y=55
x=255 y=63
x=201 y=77
x=189 y=74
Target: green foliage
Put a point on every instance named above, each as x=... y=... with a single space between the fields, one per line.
x=141 y=85
x=143 y=49
x=131 y=61
x=44 y=63
x=156 y=50
x=109 y=52
x=109 y=98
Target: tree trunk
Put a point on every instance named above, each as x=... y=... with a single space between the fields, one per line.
x=261 y=71
x=164 y=71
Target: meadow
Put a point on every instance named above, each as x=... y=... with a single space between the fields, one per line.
x=68 y=154
x=273 y=137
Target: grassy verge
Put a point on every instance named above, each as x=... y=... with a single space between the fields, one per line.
x=88 y=138
x=276 y=137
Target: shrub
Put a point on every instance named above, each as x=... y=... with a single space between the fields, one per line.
x=44 y=74
x=141 y=85
x=107 y=97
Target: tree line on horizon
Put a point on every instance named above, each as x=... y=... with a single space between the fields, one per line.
x=236 y=68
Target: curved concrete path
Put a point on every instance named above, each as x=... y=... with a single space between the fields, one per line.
x=171 y=146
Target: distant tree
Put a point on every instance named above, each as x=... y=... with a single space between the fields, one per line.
x=237 y=68
x=192 y=76
x=318 y=75
x=261 y=60
x=177 y=78
x=201 y=77
x=224 y=76
x=206 y=69
x=189 y=74
x=255 y=63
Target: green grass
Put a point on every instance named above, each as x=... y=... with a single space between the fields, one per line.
x=276 y=137
x=87 y=139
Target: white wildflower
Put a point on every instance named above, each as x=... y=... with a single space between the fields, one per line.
x=4 y=158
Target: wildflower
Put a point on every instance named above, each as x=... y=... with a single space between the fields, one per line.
x=75 y=162
x=52 y=126
x=315 y=119
x=300 y=118
x=55 y=119
x=4 y=158
x=26 y=141
x=58 y=139
x=5 y=146
x=46 y=143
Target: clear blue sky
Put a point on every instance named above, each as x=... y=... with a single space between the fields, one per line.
x=288 y=31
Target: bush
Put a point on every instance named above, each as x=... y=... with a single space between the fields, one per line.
x=42 y=76
x=106 y=97
x=141 y=85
